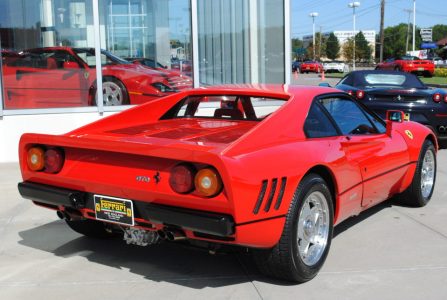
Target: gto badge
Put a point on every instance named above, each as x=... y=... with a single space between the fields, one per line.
x=146 y=179
x=409 y=134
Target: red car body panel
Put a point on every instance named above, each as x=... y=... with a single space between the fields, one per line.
x=30 y=87
x=410 y=66
x=104 y=158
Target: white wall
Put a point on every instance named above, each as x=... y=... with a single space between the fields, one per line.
x=12 y=127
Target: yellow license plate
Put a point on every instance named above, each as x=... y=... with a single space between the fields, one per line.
x=115 y=210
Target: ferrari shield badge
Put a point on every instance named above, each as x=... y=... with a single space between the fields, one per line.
x=86 y=75
x=409 y=134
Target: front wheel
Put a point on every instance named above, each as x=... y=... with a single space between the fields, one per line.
x=114 y=92
x=421 y=189
x=307 y=234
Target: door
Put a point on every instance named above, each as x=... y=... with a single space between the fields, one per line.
x=382 y=160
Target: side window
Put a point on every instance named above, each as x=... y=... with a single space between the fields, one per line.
x=349 y=80
x=317 y=124
x=376 y=121
x=349 y=117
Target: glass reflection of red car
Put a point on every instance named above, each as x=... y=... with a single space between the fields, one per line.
x=311 y=66
x=66 y=77
x=183 y=66
x=175 y=78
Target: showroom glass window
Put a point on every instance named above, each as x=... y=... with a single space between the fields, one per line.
x=39 y=67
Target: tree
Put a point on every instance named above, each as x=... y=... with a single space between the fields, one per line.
x=362 y=48
x=348 y=49
x=332 y=47
x=439 y=32
x=320 y=48
x=395 y=40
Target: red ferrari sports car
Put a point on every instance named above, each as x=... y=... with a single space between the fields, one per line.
x=311 y=66
x=66 y=77
x=217 y=166
x=410 y=64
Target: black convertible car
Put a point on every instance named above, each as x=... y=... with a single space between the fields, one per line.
x=391 y=90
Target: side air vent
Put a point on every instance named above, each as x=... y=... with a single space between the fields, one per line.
x=260 y=197
x=271 y=194
x=281 y=192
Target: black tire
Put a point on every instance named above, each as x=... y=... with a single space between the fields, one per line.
x=109 y=85
x=376 y=68
x=283 y=261
x=91 y=228
x=397 y=69
x=413 y=195
x=427 y=75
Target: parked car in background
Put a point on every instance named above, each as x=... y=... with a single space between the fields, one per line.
x=296 y=66
x=215 y=166
x=410 y=64
x=438 y=61
x=335 y=66
x=175 y=78
x=311 y=66
x=386 y=90
x=66 y=77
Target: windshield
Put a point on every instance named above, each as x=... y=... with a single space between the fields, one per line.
x=107 y=58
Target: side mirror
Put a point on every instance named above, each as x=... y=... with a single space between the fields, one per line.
x=395 y=116
x=70 y=65
x=325 y=84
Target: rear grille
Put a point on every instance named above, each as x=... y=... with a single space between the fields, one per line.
x=271 y=195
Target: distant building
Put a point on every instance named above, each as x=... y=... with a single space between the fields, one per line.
x=343 y=36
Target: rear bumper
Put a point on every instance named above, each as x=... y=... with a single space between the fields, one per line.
x=198 y=221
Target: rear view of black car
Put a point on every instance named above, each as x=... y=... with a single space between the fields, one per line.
x=390 y=90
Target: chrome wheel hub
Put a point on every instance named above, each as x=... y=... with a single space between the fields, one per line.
x=313 y=228
x=428 y=174
x=112 y=94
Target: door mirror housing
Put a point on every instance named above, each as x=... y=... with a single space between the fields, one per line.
x=71 y=65
x=395 y=116
x=325 y=84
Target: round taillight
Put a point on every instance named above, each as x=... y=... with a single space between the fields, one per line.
x=181 y=179
x=54 y=160
x=360 y=94
x=208 y=182
x=445 y=98
x=437 y=97
x=35 y=159
x=350 y=93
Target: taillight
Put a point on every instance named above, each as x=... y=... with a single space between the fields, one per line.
x=35 y=159
x=208 y=182
x=54 y=160
x=445 y=98
x=360 y=94
x=181 y=179
x=437 y=97
x=350 y=93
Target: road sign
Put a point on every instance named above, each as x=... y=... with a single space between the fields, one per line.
x=426 y=34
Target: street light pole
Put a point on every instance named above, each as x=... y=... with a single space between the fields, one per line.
x=353 y=5
x=313 y=16
x=414 y=24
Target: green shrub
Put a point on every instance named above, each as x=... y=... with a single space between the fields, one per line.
x=440 y=72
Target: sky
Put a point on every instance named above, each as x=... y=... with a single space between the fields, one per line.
x=336 y=15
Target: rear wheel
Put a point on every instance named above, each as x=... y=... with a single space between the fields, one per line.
x=91 y=228
x=397 y=69
x=307 y=234
x=421 y=189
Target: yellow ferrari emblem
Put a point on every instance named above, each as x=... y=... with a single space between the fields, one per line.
x=409 y=134
x=129 y=212
x=86 y=75
x=97 y=207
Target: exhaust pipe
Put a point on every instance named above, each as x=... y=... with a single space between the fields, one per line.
x=60 y=214
x=174 y=235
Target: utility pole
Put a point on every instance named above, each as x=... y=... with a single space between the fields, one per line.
x=414 y=24
x=319 y=46
x=409 y=11
x=382 y=37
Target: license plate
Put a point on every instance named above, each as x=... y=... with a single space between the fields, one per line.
x=407 y=117
x=307 y=68
x=420 y=69
x=114 y=210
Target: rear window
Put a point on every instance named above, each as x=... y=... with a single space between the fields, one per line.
x=225 y=107
x=389 y=79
